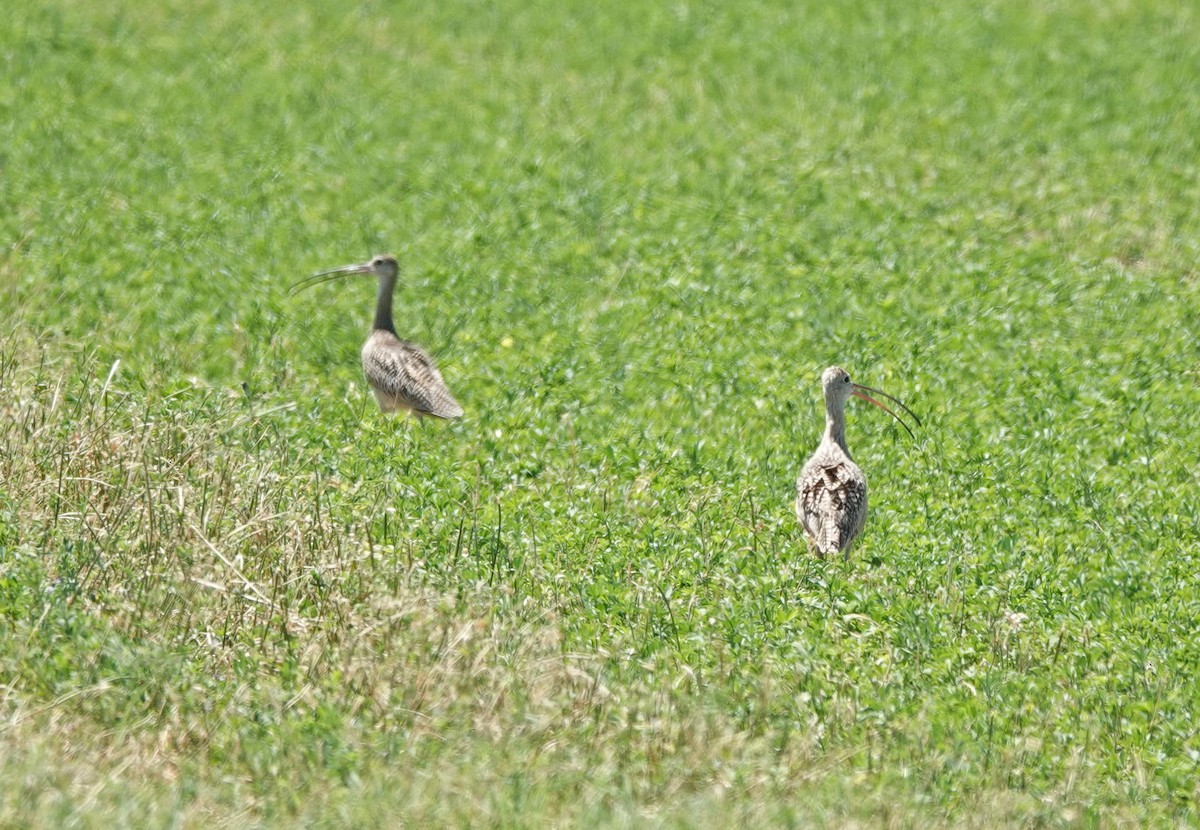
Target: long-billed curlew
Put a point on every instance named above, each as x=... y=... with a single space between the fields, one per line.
x=403 y=377
x=831 y=492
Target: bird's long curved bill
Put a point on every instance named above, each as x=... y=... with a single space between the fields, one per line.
x=860 y=391
x=331 y=274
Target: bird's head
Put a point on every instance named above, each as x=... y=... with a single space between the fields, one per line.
x=837 y=385
x=839 y=388
x=384 y=266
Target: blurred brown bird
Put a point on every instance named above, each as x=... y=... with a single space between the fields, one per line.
x=402 y=375
x=831 y=492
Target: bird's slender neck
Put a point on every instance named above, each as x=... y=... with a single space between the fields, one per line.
x=383 y=305
x=835 y=423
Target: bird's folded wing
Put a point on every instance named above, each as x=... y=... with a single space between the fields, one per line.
x=409 y=375
x=832 y=506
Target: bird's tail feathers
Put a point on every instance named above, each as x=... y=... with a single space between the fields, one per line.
x=830 y=540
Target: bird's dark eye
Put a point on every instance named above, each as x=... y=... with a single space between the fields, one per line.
x=845 y=378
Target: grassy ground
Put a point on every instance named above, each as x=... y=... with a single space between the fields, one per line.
x=233 y=595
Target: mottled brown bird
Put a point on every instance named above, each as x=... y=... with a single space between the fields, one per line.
x=831 y=492
x=403 y=377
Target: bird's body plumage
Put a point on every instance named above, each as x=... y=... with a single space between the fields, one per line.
x=405 y=378
x=831 y=498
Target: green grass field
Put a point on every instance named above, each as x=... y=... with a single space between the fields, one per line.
x=232 y=594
